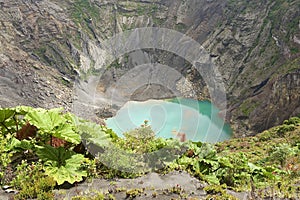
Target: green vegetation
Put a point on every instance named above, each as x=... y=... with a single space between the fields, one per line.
x=48 y=141
x=218 y=192
x=50 y=136
x=32 y=182
x=84 y=11
x=275 y=16
x=85 y=14
x=4 y=156
x=275 y=152
x=55 y=54
x=97 y=196
x=288 y=67
x=131 y=194
x=180 y=27
x=157 y=21
x=248 y=107
x=146 y=9
x=281 y=22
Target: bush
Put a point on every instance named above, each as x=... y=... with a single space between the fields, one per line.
x=32 y=182
x=280 y=153
x=281 y=130
x=292 y=120
x=139 y=139
x=4 y=156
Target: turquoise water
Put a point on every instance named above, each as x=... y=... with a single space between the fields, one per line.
x=199 y=120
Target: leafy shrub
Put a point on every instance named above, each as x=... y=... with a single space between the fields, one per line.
x=61 y=164
x=265 y=136
x=218 y=192
x=5 y=156
x=32 y=182
x=118 y=162
x=292 y=120
x=139 y=139
x=97 y=196
x=232 y=169
x=132 y=193
x=51 y=135
x=281 y=130
x=140 y=152
x=280 y=153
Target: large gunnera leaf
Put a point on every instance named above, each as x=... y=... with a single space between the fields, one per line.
x=93 y=133
x=53 y=123
x=5 y=114
x=45 y=120
x=6 y=120
x=61 y=164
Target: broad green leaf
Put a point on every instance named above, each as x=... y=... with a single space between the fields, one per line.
x=69 y=172
x=62 y=174
x=23 y=110
x=196 y=167
x=54 y=123
x=61 y=164
x=45 y=120
x=185 y=160
x=212 y=179
x=49 y=153
x=11 y=124
x=66 y=132
x=225 y=162
x=13 y=143
x=254 y=167
x=6 y=113
x=93 y=133
x=213 y=164
x=72 y=119
x=23 y=144
x=208 y=151
x=75 y=161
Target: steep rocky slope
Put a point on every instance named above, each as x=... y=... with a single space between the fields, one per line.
x=255 y=44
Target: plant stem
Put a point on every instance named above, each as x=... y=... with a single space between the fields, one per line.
x=2 y=123
x=17 y=124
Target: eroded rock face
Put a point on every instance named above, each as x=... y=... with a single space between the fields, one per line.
x=24 y=81
x=254 y=45
x=279 y=98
